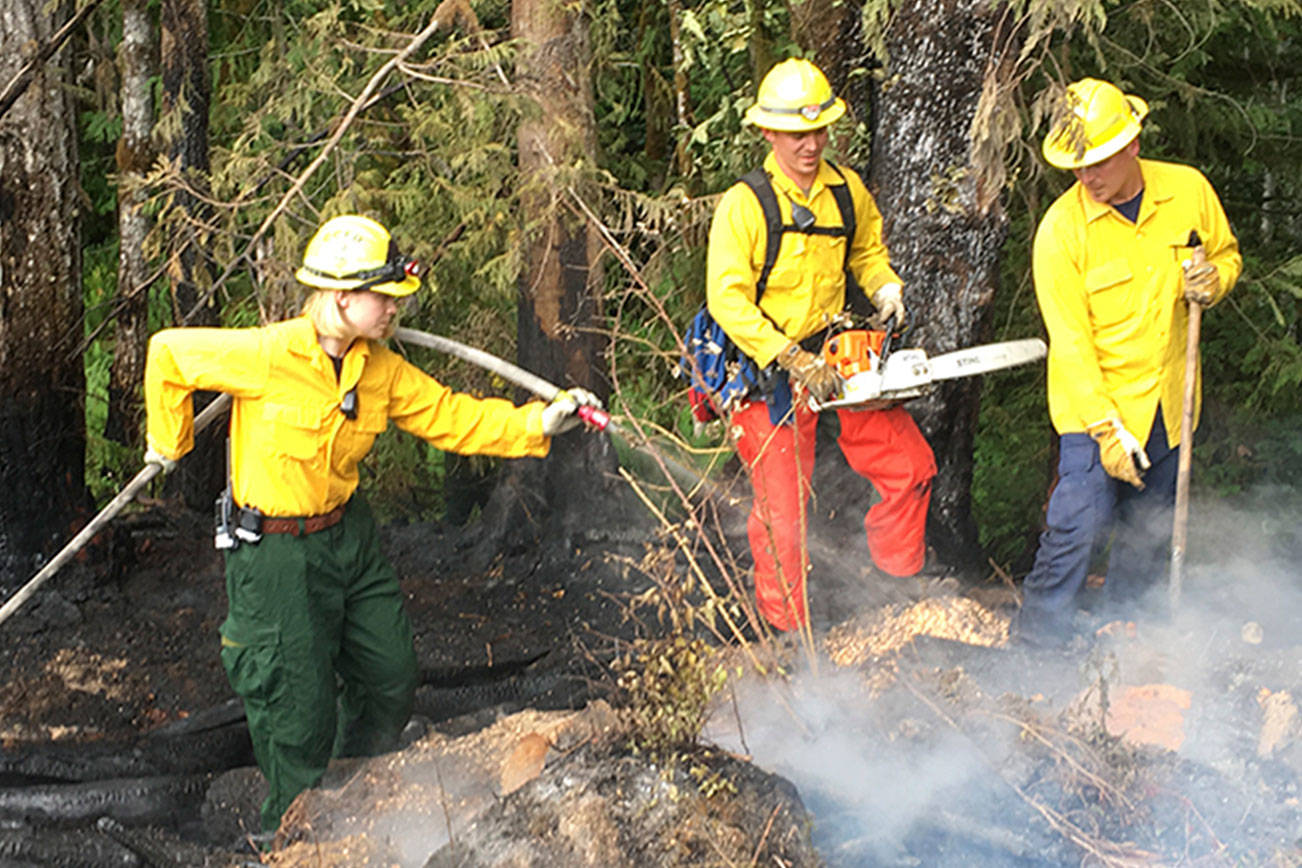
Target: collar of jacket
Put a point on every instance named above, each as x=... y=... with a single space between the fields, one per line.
x=302 y=342
x=826 y=177
x=1156 y=191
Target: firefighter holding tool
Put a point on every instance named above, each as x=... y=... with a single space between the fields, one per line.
x=774 y=297
x=1116 y=260
x=313 y=602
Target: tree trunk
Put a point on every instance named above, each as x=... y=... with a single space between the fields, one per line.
x=825 y=28
x=42 y=385
x=135 y=155
x=184 y=113
x=560 y=282
x=944 y=223
x=833 y=32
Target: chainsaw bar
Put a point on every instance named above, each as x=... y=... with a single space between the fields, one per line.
x=988 y=357
x=908 y=373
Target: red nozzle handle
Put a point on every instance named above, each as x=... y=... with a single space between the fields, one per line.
x=594 y=416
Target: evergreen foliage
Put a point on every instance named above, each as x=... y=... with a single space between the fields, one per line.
x=433 y=155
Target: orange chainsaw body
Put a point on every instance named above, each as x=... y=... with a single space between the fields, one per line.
x=854 y=351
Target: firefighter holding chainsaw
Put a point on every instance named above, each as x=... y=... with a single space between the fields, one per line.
x=316 y=640
x=1116 y=261
x=781 y=325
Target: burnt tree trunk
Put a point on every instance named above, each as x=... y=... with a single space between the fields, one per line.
x=575 y=488
x=184 y=115
x=944 y=226
x=42 y=386
x=135 y=155
x=833 y=32
x=830 y=29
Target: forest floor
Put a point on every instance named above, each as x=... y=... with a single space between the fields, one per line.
x=911 y=733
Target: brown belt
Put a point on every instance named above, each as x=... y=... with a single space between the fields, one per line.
x=305 y=525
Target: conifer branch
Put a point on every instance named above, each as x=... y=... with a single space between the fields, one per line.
x=359 y=102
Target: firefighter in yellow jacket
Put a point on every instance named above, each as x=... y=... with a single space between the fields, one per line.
x=783 y=324
x=1116 y=259
x=312 y=599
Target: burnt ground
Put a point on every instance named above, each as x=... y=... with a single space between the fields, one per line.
x=126 y=641
x=119 y=652
x=121 y=649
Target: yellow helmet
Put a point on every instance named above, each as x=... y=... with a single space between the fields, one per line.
x=355 y=252
x=1099 y=120
x=795 y=97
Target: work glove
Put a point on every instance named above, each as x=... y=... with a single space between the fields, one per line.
x=1200 y=278
x=1120 y=453
x=808 y=371
x=889 y=301
x=559 y=416
x=167 y=465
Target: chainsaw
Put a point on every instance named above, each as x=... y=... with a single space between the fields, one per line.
x=873 y=376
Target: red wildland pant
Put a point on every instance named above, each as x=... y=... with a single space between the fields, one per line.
x=883 y=446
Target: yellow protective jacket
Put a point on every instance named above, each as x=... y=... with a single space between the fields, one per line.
x=1111 y=296
x=293 y=452
x=807 y=284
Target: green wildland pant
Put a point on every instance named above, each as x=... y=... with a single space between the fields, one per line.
x=318 y=646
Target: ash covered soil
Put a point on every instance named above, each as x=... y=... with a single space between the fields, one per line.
x=112 y=667
x=126 y=640
x=910 y=734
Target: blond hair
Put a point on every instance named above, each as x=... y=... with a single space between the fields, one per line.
x=322 y=307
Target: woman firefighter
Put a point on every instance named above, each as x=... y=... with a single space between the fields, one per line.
x=316 y=641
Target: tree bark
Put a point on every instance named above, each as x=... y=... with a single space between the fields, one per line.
x=42 y=386
x=944 y=226
x=560 y=282
x=135 y=155
x=184 y=114
x=833 y=32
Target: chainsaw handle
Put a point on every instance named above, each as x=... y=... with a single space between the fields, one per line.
x=891 y=325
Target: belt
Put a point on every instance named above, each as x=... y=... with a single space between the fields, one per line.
x=305 y=525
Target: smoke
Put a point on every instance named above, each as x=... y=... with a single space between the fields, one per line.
x=889 y=769
x=1234 y=631
x=823 y=732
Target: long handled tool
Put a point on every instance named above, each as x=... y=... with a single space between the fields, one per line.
x=125 y=496
x=1180 y=527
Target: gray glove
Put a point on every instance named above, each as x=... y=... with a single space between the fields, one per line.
x=889 y=301
x=167 y=465
x=559 y=416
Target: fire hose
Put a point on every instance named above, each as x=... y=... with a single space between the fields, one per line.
x=595 y=416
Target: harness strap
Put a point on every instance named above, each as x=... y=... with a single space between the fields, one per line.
x=762 y=186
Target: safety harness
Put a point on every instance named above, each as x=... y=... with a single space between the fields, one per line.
x=721 y=375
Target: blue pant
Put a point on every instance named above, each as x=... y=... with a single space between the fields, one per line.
x=1086 y=509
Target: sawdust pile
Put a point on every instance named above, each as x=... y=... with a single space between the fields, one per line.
x=437 y=785
x=886 y=630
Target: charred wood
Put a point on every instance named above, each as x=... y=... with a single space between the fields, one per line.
x=161 y=800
